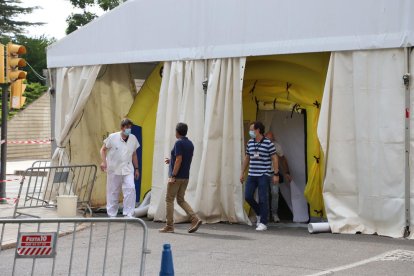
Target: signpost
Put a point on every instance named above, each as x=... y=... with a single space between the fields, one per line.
x=36 y=245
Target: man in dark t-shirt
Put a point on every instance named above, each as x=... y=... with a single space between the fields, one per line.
x=180 y=163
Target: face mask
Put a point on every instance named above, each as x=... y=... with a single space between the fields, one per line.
x=127 y=131
x=252 y=134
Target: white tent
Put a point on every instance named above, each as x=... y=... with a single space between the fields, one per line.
x=362 y=127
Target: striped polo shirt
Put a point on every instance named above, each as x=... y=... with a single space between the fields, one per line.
x=260 y=154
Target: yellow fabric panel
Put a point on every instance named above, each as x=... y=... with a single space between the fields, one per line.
x=305 y=75
x=143 y=113
x=109 y=102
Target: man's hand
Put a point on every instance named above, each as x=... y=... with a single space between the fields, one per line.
x=288 y=177
x=171 y=180
x=242 y=178
x=136 y=174
x=167 y=161
x=104 y=166
x=275 y=179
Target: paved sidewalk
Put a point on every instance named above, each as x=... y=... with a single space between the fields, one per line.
x=6 y=211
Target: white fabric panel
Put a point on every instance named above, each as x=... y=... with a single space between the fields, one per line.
x=411 y=63
x=166 y=30
x=289 y=131
x=167 y=117
x=219 y=195
x=361 y=129
x=73 y=88
x=214 y=191
x=181 y=100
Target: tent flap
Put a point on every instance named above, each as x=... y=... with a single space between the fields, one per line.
x=361 y=129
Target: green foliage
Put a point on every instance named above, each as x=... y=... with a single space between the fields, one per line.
x=33 y=91
x=75 y=21
x=9 y=24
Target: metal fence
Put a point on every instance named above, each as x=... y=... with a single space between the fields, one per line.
x=94 y=246
x=40 y=186
x=41 y=163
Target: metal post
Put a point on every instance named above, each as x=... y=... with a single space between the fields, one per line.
x=406 y=80
x=4 y=114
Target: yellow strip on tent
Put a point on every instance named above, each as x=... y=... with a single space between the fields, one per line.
x=143 y=113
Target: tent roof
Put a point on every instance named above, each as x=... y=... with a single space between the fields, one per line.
x=160 y=30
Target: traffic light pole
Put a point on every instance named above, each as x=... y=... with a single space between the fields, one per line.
x=4 y=115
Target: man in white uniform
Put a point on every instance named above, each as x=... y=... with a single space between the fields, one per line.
x=120 y=161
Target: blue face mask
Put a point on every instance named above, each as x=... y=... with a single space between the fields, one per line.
x=252 y=134
x=127 y=131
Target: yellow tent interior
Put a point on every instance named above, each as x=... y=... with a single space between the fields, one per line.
x=280 y=82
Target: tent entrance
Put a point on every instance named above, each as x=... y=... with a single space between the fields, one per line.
x=285 y=93
x=289 y=131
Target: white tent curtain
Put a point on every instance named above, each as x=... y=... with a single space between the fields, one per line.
x=219 y=195
x=361 y=129
x=214 y=190
x=73 y=88
x=181 y=99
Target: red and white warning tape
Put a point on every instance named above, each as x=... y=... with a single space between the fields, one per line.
x=9 y=198
x=29 y=142
x=10 y=180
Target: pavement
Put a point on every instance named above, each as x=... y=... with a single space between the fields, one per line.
x=225 y=249
x=216 y=249
x=8 y=234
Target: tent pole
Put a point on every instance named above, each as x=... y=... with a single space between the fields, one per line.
x=406 y=79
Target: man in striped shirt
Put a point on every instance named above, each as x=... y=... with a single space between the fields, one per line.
x=260 y=154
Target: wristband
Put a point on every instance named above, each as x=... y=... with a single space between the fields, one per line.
x=136 y=169
x=276 y=174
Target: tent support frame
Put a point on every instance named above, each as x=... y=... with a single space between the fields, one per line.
x=406 y=80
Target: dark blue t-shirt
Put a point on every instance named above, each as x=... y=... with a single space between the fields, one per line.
x=185 y=148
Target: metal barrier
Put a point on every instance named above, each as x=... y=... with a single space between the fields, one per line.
x=41 y=163
x=105 y=246
x=40 y=186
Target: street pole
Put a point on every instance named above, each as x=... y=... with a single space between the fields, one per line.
x=4 y=114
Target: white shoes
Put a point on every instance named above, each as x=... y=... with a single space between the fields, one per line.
x=276 y=218
x=261 y=227
x=257 y=221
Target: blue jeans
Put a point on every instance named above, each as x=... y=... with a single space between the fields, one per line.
x=262 y=184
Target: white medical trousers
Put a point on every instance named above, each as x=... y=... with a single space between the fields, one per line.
x=113 y=188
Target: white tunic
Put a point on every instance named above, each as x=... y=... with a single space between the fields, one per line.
x=119 y=157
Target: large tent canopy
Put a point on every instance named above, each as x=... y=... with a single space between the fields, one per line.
x=341 y=62
x=164 y=30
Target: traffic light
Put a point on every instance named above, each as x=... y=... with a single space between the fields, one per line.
x=13 y=62
x=2 y=71
x=16 y=96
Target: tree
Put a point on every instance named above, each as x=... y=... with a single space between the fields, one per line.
x=77 y=20
x=10 y=25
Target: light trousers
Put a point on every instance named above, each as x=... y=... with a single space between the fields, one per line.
x=113 y=187
x=177 y=190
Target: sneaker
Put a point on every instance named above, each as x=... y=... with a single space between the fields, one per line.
x=257 y=221
x=167 y=229
x=261 y=227
x=195 y=224
x=276 y=218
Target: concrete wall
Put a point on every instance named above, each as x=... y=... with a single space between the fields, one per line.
x=33 y=123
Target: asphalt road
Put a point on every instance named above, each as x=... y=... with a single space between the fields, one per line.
x=223 y=249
